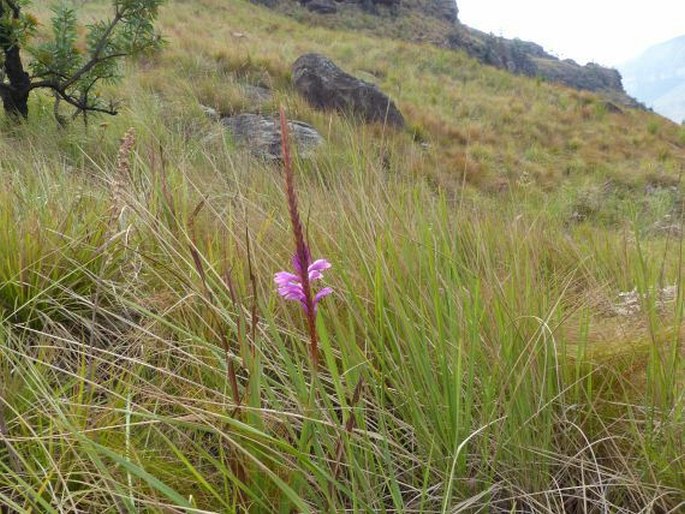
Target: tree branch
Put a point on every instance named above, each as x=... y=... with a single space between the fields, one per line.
x=88 y=108
x=58 y=85
x=98 y=50
x=16 y=10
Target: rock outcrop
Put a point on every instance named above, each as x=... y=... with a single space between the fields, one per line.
x=321 y=6
x=527 y=58
x=262 y=134
x=267 y=3
x=441 y=9
x=511 y=55
x=591 y=77
x=326 y=86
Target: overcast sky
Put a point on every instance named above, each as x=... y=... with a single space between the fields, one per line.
x=604 y=31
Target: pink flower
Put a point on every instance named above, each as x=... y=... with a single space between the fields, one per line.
x=290 y=284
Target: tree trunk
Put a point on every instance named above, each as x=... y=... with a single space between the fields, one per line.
x=15 y=95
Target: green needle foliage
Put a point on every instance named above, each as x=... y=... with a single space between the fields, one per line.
x=63 y=63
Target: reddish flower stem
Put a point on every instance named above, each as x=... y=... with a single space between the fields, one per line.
x=302 y=254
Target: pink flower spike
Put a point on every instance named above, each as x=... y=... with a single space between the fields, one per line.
x=290 y=285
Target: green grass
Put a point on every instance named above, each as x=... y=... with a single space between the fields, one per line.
x=471 y=336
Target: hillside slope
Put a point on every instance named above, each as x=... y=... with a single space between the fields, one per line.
x=482 y=124
x=436 y=21
x=504 y=331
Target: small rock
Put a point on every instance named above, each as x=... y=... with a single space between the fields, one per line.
x=629 y=303
x=210 y=112
x=262 y=134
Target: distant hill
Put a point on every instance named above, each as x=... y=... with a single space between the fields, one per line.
x=657 y=78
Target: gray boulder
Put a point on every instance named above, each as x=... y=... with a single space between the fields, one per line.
x=326 y=86
x=262 y=135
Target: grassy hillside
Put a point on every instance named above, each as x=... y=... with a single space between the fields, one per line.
x=483 y=351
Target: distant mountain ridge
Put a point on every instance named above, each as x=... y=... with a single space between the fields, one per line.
x=657 y=78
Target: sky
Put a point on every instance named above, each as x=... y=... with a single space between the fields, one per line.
x=607 y=32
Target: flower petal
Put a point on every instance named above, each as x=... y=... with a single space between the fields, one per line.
x=319 y=265
x=292 y=287
x=321 y=294
x=293 y=295
x=316 y=268
x=291 y=291
x=283 y=278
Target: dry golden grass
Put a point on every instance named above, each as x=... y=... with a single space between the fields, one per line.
x=519 y=125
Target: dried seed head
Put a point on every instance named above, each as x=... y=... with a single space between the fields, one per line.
x=120 y=179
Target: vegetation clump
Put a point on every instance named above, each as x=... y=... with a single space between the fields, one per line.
x=70 y=67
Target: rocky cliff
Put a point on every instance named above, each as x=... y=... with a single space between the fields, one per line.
x=443 y=9
x=440 y=9
x=527 y=58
